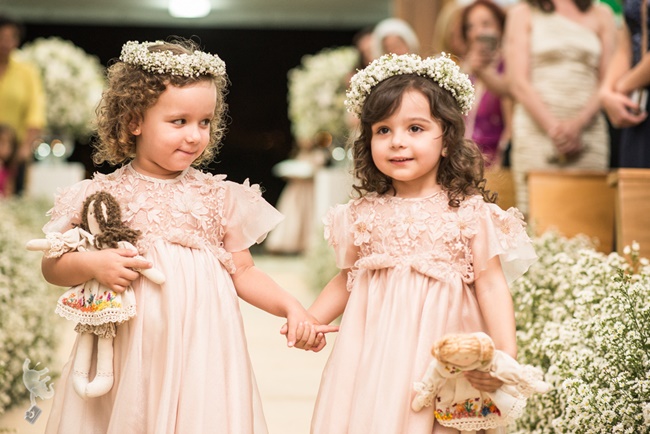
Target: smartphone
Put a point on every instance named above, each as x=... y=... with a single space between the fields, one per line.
x=640 y=96
x=489 y=41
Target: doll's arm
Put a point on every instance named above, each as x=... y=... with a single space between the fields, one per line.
x=526 y=379
x=427 y=389
x=153 y=274
x=56 y=244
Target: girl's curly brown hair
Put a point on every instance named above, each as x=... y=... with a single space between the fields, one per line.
x=460 y=173
x=109 y=217
x=131 y=91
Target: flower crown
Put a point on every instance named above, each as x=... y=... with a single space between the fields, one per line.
x=440 y=69
x=166 y=62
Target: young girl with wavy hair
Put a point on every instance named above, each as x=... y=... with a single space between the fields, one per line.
x=423 y=251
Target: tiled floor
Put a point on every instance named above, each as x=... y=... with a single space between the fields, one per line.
x=288 y=379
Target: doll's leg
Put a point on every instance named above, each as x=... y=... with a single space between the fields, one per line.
x=82 y=363
x=103 y=380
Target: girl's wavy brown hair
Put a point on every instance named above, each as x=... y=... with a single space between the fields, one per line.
x=109 y=219
x=460 y=173
x=131 y=91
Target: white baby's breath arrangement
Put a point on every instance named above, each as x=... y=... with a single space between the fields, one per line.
x=165 y=62
x=583 y=317
x=27 y=319
x=73 y=82
x=440 y=69
x=317 y=92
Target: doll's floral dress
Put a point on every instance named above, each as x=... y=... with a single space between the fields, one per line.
x=413 y=263
x=181 y=364
x=94 y=307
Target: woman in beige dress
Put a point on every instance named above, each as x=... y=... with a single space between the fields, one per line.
x=556 y=51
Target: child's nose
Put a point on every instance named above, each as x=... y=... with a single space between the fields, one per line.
x=194 y=134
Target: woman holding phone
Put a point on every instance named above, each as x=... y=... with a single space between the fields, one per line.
x=488 y=122
x=556 y=52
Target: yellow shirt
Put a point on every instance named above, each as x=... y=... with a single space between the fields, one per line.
x=22 y=100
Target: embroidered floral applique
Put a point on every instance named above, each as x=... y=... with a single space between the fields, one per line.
x=471 y=408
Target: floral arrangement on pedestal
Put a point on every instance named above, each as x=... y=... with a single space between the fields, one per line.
x=584 y=317
x=73 y=82
x=317 y=92
x=27 y=324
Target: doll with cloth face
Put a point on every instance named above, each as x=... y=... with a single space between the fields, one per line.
x=96 y=308
x=456 y=404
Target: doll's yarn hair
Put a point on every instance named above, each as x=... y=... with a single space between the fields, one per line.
x=109 y=218
x=479 y=343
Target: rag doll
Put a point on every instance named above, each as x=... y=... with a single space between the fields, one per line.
x=96 y=308
x=458 y=405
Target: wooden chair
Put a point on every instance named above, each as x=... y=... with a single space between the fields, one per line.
x=632 y=208
x=500 y=181
x=573 y=202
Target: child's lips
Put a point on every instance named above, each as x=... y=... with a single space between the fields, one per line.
x=399 y=159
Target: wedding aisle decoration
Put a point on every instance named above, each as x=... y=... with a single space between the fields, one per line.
x=27 y=322
x=584 y=317
x=317 y=92
x=73 y=81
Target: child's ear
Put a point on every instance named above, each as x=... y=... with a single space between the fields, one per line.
x=134 y=127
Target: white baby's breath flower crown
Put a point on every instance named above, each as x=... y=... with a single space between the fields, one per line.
x=165 y=62
x=440 y=69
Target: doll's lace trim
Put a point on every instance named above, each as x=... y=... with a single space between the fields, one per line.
x=96 y=318
x=57 y=246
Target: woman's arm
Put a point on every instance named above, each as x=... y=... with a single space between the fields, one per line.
x=517 y=60
x=617 y=104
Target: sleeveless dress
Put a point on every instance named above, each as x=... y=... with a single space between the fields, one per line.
x=181 y=364
x=413 y=264
x=564 y=65
x=635 y=141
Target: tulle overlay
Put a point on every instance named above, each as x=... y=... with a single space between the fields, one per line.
x=413 y=265
x=181 y=363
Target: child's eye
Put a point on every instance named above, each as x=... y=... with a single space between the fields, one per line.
x=205 y=122
x=179 y=121
x=382 y=130
x=415 y=129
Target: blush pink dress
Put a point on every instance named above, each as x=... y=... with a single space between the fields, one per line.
x=181 y=364
x=413 y=264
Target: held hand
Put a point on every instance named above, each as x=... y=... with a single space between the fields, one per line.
x=114 y=268
x=566 y=136
x=310 y=335
x=619 y=108
x=483 y=381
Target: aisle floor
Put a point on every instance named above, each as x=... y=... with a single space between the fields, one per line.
x=287 y=378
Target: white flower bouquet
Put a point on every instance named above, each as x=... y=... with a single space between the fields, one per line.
x=317 y=92
x=27 y=319
x=73 y=82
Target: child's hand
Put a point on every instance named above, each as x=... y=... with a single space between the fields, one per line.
x=483 y=381
x=114 y=268
x=309 y=335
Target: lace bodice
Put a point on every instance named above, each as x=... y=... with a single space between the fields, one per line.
x=425 y=234
x=196 y=210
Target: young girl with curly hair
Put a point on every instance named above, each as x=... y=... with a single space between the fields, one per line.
x=423 y=251
x=181 y=364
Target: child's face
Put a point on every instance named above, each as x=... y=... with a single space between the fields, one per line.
x=463 y=357
x=175 y=130
x=407 y=145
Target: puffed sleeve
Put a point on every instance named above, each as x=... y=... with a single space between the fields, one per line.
x=502 y=233
x=339 y=235
x=68 y=204
x=247 y=217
